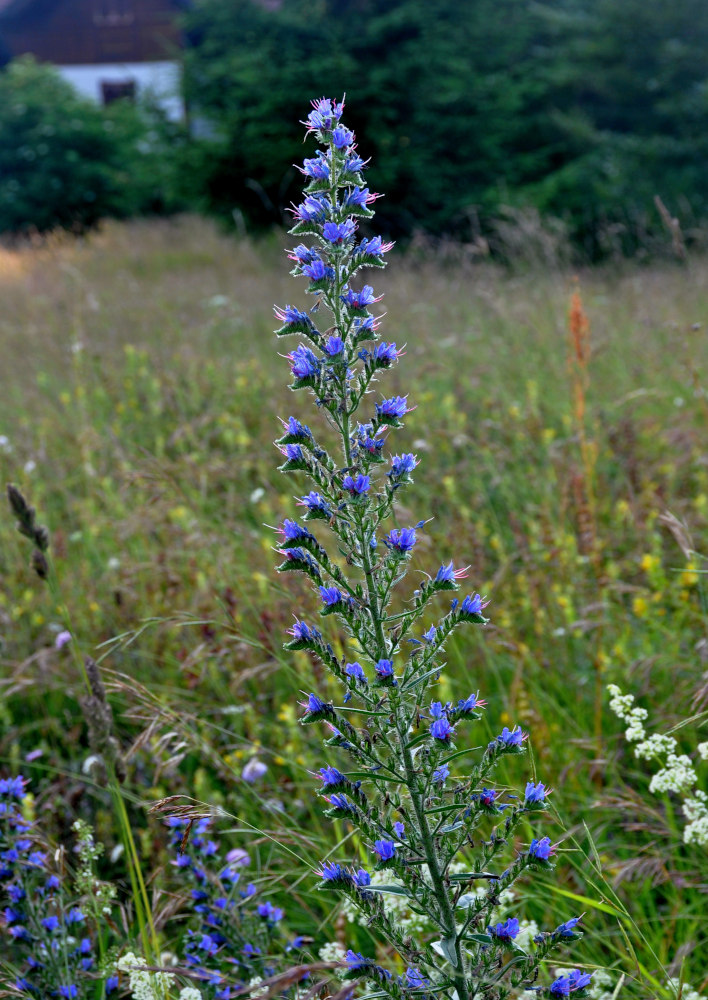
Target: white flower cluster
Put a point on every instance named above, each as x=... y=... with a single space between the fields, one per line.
x=146 y=985
x=687 y=992
x=677 y=774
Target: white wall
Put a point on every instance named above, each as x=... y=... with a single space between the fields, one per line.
x=159 y=78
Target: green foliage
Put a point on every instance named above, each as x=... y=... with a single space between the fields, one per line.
x=585 y=109
x=64 y=162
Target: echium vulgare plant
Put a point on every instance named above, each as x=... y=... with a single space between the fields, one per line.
x=428 y=827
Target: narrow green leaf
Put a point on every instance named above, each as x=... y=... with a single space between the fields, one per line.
x=423 y=677
x=394 y=890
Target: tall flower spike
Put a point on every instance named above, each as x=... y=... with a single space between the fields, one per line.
x=401 y=758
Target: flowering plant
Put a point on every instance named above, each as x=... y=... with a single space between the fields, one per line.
x=448 y=840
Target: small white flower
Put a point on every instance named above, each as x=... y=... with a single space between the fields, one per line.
x=702 y=749
x=677 y=776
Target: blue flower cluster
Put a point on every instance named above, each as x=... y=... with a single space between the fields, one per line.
x=236 y=935
x=412 y=816
x=49 y=937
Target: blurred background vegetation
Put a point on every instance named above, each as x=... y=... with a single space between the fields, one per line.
x=580 y=110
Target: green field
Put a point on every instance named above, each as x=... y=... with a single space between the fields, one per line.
x=140 y=394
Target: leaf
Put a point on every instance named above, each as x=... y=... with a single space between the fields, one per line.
x=447 y=946
x=423 y=677
x=468 y=876
x=458 y=753
x=478 y=938
x=374 y=776
x=420 y=738
x=394 y=890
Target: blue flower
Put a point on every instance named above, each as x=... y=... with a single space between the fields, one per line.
x=575 y=980
x=332 y=778
x=402 y=465
x=487 y=798
x=393 y=408
x=386 y=354
x=541 y=849
x=567 y=929
x=302 y=632
x=290 y=316
x=448 y=574
x=536 y=793
x=362 y=878
x=314 y=208
x=354 y=163
x=338 y=232
x=112 y=984
x=473 y=605
x=437 y=710
x=400 y=539
x=469 y=704
x=512 y=738
x=315 y=704
x=316 y=504
x=294 y=428
x=360 y=300
x=357 y=198
x=385 y=849
x=356 y=671
x=317 y=167
x=442 y=730
x=303 y=363
x=68 y=991
x=342 y=137
x=342 y=803
x=506 y=931
x=291 y=531
x=331 y=596
x=384 y=669
x=293 y=452
x=355 y=960
x=333 y=872
x=326 y=113
x=413 y=979
x=400 y=830
x=375 y=247
x=50 y=923
x=441 y=774
x=430 y=635
x=333 y=345
x=271 y=913
x=358 y=486
x=303 y=254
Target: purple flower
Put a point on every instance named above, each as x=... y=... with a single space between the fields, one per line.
x=316 y=504
x=333 y=872
x=50 y=923
x=362 y=299
x=362 y=878
x=448 y=574
x=356 y=671
x=331 y=596
x=473 y=605
x=429 y=636
x=354 y=163
x=413 y=979
x=358 y=486
x=291 y=531
x=510 y=737
x=331 y=777
x=334 y=345
x=355 y=960
x=568 y=928
x=400 y=539
x=441 y=774
x=315 y=704
x=394 y=408
x=317 y=167
x=254 y=770
x=68 y=991
x=269 y=912
x=112 y=983
x=338 y=232
x=238 y=857
x=575 y=980
x=62 y=639
x=402 y=465
x=342 y=803
x=385 y=849
x=384 y=669
x=301 y=632
x=316 y=270
x=342 y=137
x=506 y=931
x=536 y=793
x=442 y=730
x=293 y=452
x=74 y=916
x=358 y=198
x=386 y=354
x=290 y=316
x=303 y=362
x=374 y=247
x=541 y=849
x=294 y=428
x=469 y=704
x=487 y=797
x=400 y=830
x=326 y=113
x=303 y=254
x=436 y=710
x=313 y=209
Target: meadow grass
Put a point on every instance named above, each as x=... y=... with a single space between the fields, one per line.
x=139 y=384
